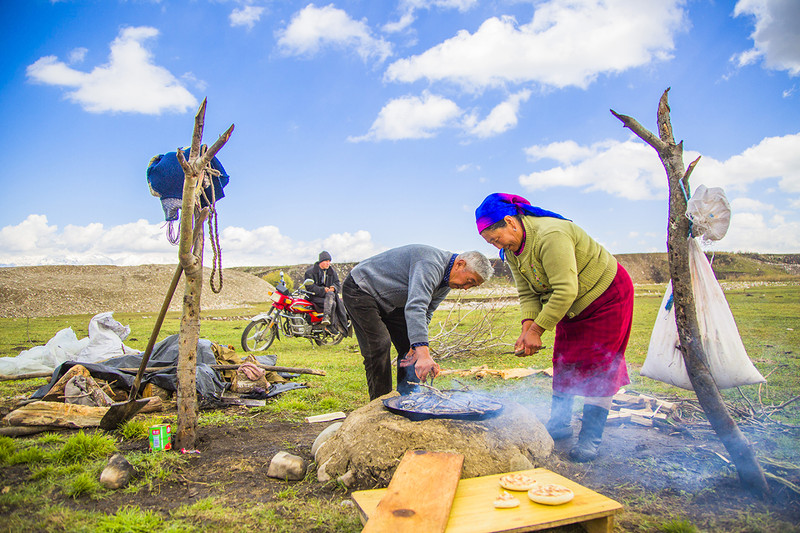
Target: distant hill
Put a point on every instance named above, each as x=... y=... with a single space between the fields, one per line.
x=643 y=268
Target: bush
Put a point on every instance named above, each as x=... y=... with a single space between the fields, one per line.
x=274 y=278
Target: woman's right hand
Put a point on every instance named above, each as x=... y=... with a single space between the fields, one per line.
x=530 y=340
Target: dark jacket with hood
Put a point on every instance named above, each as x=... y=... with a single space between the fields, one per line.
x=322 y=278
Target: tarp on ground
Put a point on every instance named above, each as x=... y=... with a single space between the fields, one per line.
x=210 y=386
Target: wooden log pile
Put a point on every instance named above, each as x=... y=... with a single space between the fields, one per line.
x=640 y=409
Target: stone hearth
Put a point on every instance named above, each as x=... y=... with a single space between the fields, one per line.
x=366 y=450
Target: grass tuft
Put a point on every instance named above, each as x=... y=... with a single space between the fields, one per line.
x=678 y=526
x=81 y=447
x=132 y=520
x=83 y=484
x=134 y=430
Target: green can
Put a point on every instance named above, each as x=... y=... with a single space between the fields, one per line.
x=160 y=438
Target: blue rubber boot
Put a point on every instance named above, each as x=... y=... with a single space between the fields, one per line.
x=559 y=426
x=594 y=421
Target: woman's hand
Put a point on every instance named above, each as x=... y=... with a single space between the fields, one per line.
x=424 y=364
x=530 y=340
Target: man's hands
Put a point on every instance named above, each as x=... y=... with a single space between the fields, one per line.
x=530 y=340
x=330 y=289
x=425 y=365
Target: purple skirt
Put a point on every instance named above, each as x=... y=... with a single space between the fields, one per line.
x=589 y=349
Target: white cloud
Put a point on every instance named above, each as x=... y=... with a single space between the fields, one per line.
x=632 y=170
x=408 y=7
x=246 y=16
x=762 y=233
x=502 y=118
x=565 y=44
x=566 y=152
x=77 y=55
x=776 y=38
x=313 y=28
x=35 y=242
x=627 y=169
x=130 y=81
x=412 y=117
x=773 y=157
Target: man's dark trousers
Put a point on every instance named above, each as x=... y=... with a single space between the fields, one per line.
x=376 y=332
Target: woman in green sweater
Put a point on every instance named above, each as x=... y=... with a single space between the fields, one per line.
x=568 y=282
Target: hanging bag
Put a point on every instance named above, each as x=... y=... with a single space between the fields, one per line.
x=727 y=358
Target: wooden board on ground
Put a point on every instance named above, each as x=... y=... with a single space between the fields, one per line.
x=326 y=417
x=419 y=496
x=473 y=507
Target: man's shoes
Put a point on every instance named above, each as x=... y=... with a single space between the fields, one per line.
x=326 y=321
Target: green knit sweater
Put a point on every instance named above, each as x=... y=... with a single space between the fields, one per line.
x=560 y=271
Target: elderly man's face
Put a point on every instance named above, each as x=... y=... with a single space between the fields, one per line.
x=461 y=278
x=325 y=264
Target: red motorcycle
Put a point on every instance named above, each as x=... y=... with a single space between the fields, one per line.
x=291 y=314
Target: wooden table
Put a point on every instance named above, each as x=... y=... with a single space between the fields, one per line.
x=473 y=507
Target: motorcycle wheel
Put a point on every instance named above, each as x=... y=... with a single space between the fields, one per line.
x=331 y=339
x=257 y=337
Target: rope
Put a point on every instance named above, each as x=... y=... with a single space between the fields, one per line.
x=686 y=196
x=213 y=230
x=173 y=236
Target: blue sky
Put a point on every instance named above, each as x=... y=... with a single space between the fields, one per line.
x=361 y=125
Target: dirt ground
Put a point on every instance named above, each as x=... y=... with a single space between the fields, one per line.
x=663 y=474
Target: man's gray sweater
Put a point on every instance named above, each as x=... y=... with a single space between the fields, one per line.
x=408 y=277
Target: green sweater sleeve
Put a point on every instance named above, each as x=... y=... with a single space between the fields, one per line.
x=560 y=270
x=530 y=304
x=557 y=254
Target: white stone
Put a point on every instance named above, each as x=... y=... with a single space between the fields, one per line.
x=287 y=466
x=324 y=436
x=117 y=473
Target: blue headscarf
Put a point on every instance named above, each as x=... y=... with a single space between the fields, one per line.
x=499 y=205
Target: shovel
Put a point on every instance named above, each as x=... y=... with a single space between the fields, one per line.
x=123 y=411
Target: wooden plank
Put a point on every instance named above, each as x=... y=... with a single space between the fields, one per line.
x=326 y=417
x=420 y=494
x=473 y=507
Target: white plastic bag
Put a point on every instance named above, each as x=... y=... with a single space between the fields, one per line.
x=62 y=347
x=104 y=341
x=709 y=212
x=727 y=359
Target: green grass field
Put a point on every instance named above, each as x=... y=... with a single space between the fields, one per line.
x=768 y=317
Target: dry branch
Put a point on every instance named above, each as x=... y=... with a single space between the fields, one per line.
x=455 y=338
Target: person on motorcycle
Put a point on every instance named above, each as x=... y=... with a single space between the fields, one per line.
x=391 y=297
x=325 y=288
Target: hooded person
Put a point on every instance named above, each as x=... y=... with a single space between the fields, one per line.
x=567 y=282
x=325 y=290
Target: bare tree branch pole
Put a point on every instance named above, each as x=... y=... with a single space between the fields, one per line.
x=671 y=154
x=190 y=255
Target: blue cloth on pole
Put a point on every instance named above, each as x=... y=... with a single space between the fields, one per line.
x=165 y=178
